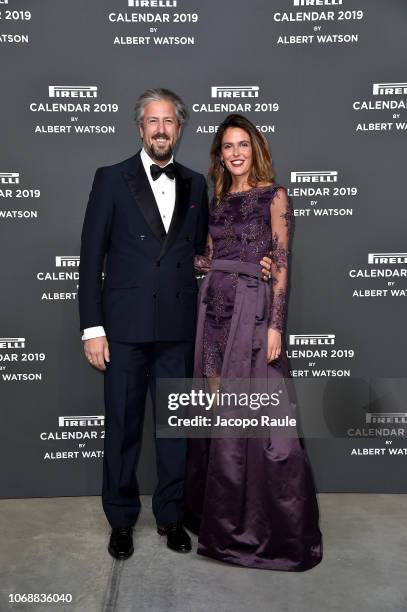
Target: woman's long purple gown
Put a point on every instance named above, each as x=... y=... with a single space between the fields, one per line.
x=251 y=501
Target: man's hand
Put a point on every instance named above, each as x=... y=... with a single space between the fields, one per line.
x=97 y=352
x=273 y=345
x=265 y=268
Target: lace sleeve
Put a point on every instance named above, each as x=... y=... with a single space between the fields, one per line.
x=281 y=224
x=202 y=263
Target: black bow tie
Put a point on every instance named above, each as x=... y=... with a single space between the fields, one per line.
x=157 y=171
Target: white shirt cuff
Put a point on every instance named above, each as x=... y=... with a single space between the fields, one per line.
x=93 y=332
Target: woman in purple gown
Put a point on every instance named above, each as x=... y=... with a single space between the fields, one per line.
x=252 y=501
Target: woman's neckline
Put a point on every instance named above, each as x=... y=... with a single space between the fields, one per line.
x=233 y=193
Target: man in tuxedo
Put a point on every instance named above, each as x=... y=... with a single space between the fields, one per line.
x=146 y=219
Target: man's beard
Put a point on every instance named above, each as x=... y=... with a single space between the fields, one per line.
x=158 y=154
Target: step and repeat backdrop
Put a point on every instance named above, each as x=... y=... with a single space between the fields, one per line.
x=326 y=82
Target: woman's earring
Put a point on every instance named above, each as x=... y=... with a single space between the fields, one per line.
x=222 y=163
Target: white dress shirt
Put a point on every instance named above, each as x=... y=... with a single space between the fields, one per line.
x=163 y=189
x=164 y=193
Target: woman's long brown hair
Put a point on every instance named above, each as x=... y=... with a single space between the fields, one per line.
x=262 y=166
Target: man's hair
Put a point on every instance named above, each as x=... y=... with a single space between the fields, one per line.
x=156 y=94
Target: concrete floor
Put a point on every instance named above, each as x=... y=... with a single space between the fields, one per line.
x=58 y=545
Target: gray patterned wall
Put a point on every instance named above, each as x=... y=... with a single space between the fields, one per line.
x=326 y=81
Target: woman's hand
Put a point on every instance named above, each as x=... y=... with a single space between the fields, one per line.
x=266 y=268
x=273 y=345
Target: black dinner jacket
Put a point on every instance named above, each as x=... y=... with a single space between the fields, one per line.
x=149 y=291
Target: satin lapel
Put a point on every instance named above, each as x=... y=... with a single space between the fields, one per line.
x=142 y=193
x=182 y=190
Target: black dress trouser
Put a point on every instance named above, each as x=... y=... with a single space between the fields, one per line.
x=132 y=369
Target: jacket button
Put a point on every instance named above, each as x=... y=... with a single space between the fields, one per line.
x=178 y=264
x=177 y=295
x=157 y=263
x=154 y=295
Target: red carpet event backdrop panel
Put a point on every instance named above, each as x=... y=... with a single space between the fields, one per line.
x=326 y=82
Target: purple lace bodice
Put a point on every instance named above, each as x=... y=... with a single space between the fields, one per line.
x=247 y=226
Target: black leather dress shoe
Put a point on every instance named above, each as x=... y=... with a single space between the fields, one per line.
x=177 y=537
x=121 y=542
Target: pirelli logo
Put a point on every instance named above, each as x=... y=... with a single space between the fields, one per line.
x=314 y=176
x=311 y=339
x=72 y=91
x=67 y=261
x=12 y=343
x=386 y=417
x=387 y=258
x=81 y=421
x=235 y=91
x=152 y=3
x=316 y=2
x=389 y=89
x=9 y=178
